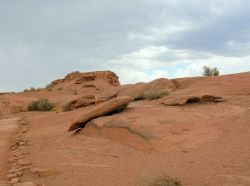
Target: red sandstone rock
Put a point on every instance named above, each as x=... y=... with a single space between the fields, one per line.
x=182 y=100
x=101 y=109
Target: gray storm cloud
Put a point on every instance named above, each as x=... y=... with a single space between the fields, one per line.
x=138 y=39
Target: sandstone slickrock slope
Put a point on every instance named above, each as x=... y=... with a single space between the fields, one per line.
x=182 y=100
x=200 y=144
x=102 y=109
x=136 y=90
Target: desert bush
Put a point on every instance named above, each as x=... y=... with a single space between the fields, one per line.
x=39 y=89
x=40 y=105
x=19 y=108
x=153 y=94
x=164 y=92
x=165 y=181
x=32 y=89
x=49 y=87
x=207 y=71
x=66 y=107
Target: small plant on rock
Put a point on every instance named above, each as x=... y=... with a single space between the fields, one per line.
x=165 y=181
x=32 y=89
x=66 y=107
x=153 y=94
x=207 y=71
x=19 y=108
x=49 y=87
x=40 y=105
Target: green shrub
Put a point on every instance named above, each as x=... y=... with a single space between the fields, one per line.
x=153 y=94
x=207 y=71
x=165 y=181
x=40 y=105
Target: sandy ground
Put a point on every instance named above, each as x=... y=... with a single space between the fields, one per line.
x=7 y=129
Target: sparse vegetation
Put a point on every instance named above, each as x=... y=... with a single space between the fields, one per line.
x=153 y=94
x=39 y=89
x=66 y=107
x=207 y=71
x=165 y=181
x=19 y=108
x=32 y=89
x=40 y=105
x=49 y=87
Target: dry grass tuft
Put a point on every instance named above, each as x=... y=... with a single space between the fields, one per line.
x=153 y=94
x=165 y=181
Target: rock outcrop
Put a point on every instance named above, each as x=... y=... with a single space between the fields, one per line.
x=81 y=102
x=84 y=87
x=88 y=78
x=102 y=109
x=183 y=100
x=136 y=90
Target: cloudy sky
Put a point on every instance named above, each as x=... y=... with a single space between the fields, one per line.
x=140 y=40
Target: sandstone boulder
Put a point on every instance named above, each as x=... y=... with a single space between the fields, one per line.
x=182 y=100
x=101 y=109
x=81 y=102
x=90 y=77
x=136 y=90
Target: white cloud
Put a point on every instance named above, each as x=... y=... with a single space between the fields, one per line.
x=226 y=65
x=139 y=39
x=128 y=76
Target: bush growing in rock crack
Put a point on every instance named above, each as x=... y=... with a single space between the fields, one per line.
x=66 y=107
x=40 y=105
x=19 y=108
x=165 y=181
x=153 y=94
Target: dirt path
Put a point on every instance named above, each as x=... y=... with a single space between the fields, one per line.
x=7 y=128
